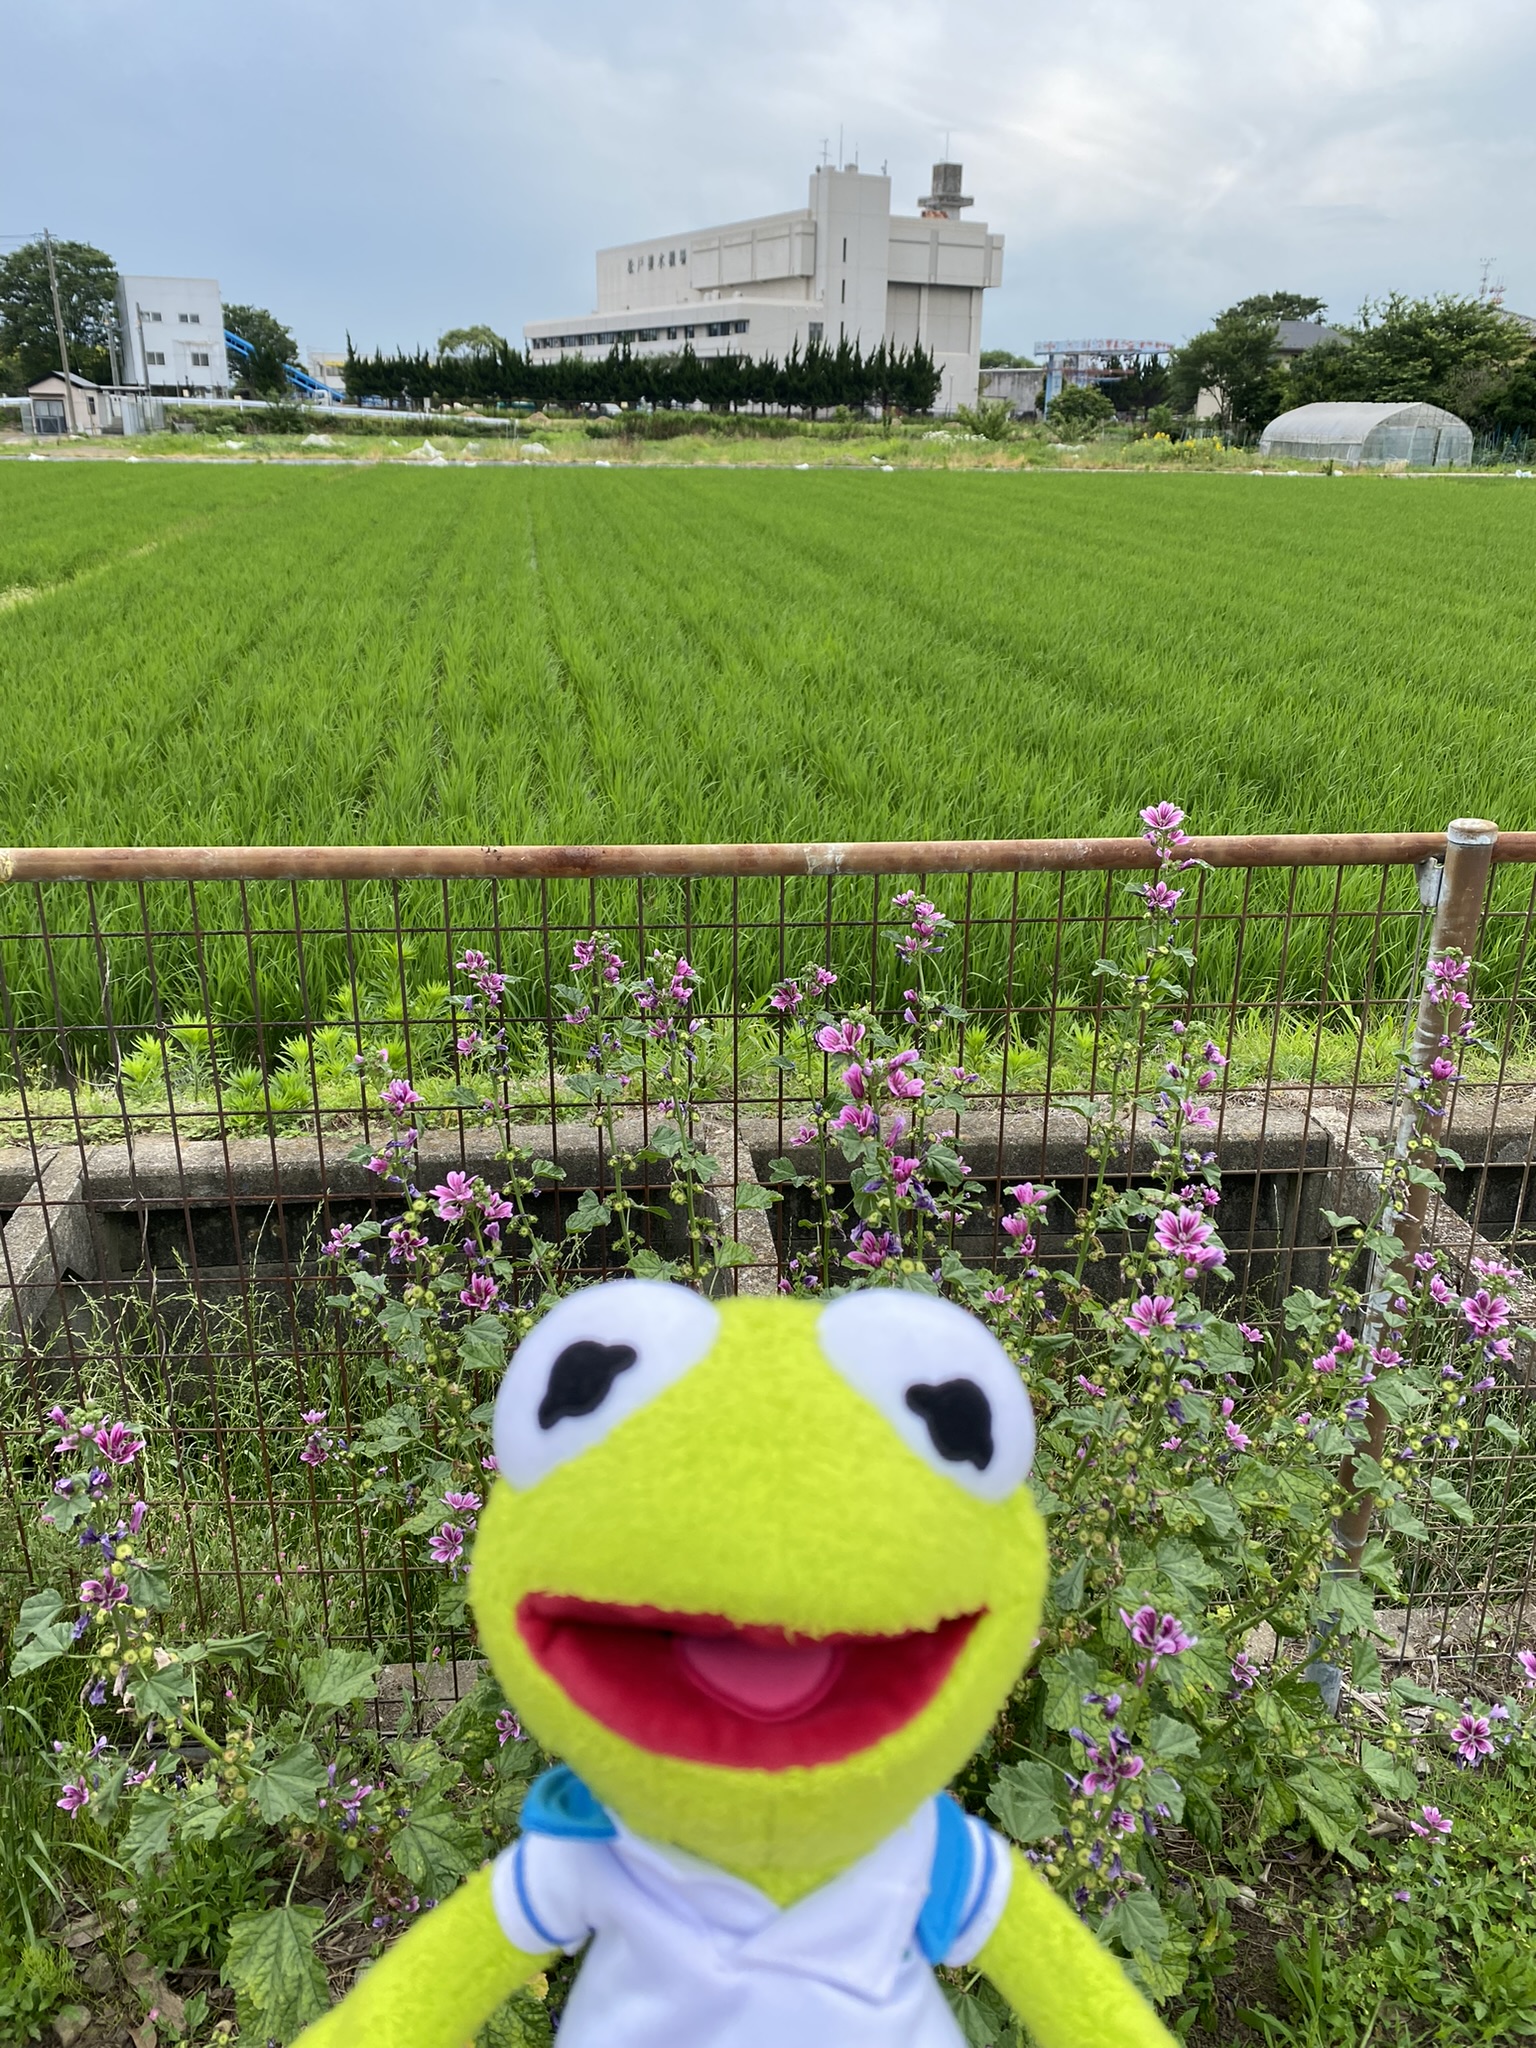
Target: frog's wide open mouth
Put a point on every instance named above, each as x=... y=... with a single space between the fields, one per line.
x=697 y=1686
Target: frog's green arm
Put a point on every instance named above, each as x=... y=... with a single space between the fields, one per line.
x=1068 y=1990
x=438 y=1984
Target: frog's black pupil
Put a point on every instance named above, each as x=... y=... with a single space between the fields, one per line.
x=959 y=1419
x=581 y=1379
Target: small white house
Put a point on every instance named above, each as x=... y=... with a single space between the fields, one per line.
x=172 y=333
x=1358 y=435
x=52 y=407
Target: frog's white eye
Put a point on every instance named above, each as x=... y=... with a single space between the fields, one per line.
x=594 y=1359
x=942 y=1381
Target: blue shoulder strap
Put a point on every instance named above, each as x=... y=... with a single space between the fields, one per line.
x=951 y=1881
x=558 y=1803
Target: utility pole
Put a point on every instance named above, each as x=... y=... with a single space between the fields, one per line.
x=58 y=323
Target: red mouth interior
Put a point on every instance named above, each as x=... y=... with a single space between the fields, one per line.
x=696 y=1686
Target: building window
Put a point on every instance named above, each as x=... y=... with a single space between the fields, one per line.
x=648 y=334
x=157 y=355
x=182 y=318
x=151 y=316
x=196 y=319
x=200 y=358
x=671 y=334
x=672 y=260
x=813 y=332
x=844 y=300
x=682 y=255
x=845 y=248
x=725 y=327
x=631 y=266
x=689 y=333
x=650 y=262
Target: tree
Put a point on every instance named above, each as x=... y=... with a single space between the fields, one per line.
x=1446 y=351
x=87 y=280
x=470 y=341
x=1000 y=359
x=1235 y=360
x=272 y=349
x=1281 y=306
x=1137 y=389
x=1079 y=411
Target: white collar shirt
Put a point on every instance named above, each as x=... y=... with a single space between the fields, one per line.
x=685 y=1953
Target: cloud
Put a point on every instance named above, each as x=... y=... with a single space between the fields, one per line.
x=394 y=169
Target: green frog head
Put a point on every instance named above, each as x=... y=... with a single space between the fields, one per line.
x=761 y=1571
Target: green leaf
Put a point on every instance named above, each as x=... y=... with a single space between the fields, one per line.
x=460 y=1097
x=148 y=1833
x=1393 y=1778
x=1217 y=1506
x=1068 y=1676
x=157 y=1689
x=1137 y=1922
x=429 y=1850
x=337 y=1677
x=1342 y=1595
x=1024 y=1798
x=483 y=1345
x=1444 y=1495
x=1171 y=1738
x=1186 y=1569
x=648 y=1265
x=1067 y=1587
x=278 y=1980
x=1497 y=1426
x=590 y=1213
x=1164 y=1789
x=1336 y=1222
x=1365 y=1666
x=285 y=1788
x=1400 y=1518
x=752 y=1195
x=732 y=1252
x=39 y=1635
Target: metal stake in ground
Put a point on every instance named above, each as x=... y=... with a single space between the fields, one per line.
x=1469 y=844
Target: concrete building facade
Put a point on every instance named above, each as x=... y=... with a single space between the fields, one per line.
x=842 y=266
x=171 y=332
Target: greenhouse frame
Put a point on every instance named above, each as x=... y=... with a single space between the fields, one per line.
x=1354 y=435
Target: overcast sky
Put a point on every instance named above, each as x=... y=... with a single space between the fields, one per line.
x=395 y=169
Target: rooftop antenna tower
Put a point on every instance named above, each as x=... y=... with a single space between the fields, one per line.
x=1490 y=293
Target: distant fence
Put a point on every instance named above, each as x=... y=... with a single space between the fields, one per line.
x=180 y=1094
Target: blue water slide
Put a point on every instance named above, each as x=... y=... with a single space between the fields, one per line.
x=300 y=380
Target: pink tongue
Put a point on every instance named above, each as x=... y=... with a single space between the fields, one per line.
x=764 y=1684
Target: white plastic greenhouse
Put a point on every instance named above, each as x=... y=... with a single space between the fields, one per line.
x=1424 y=436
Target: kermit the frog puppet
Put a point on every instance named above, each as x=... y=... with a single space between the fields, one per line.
x=762 y=1572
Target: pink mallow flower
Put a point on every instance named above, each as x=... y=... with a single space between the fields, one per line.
x=118 y=1444
x=1470 y=1738
x=447 y=1545
x=453 y=1195
x=1152 y=1312
x=1526 y=1659
x=1433 y=1823
x=75 y=1794
x=1486 y=1313
x=481 y=1293
x=843 y=1037
x=1163 y=1635
x=1185 y=1235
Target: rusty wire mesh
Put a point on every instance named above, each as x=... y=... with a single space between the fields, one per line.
x=178 y=1105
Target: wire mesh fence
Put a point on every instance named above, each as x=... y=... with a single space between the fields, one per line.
x=193 y=1046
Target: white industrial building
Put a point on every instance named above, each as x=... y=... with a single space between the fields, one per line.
x=841 y=266
x=172 y=336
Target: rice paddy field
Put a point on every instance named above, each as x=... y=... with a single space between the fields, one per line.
x=249 y=654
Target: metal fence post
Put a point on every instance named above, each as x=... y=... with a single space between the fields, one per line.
x=1469 y=844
